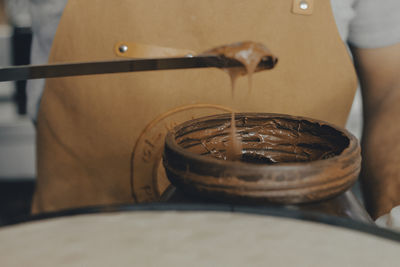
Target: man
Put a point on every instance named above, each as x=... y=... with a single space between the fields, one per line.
x=371 y=28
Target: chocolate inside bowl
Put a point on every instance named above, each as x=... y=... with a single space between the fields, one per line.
x=284 y=159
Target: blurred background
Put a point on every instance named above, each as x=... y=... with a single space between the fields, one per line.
x=17 y=133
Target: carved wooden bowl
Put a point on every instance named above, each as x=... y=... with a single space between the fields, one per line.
x=285 y=159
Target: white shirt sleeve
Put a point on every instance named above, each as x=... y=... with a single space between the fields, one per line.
x=376 y=23
x=45 y=15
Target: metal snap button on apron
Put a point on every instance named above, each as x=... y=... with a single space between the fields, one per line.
x=303 y=7
x=123 y=48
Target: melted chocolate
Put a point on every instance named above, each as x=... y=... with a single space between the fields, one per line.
x=250 y=54
x=267 y=141
x=234 y=149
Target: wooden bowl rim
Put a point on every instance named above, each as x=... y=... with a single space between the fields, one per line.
x=171 y=143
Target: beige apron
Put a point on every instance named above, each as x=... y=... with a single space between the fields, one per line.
x=100 y=137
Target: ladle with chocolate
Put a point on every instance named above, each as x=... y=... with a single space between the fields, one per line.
x=260 y=157
x=250 y=54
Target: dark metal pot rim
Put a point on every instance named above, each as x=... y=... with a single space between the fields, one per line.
x=261 y=211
